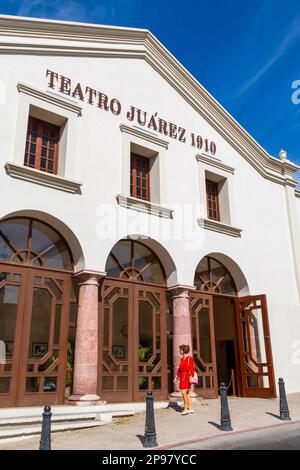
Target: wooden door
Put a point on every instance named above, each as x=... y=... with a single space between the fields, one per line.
x=37 y=302
x=256 y=363
x=132 y=329
x=44 y=340
x=203 y=337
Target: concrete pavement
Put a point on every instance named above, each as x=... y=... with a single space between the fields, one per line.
x=172 y=429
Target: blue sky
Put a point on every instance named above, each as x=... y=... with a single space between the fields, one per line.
x=245 y=52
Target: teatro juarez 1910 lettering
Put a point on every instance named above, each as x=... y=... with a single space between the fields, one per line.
x=151 y=121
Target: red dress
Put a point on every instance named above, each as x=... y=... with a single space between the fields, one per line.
x=185 y=369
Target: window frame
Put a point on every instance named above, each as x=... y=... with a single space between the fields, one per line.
x=38 y=154
x=212 y=196
x=134 y=159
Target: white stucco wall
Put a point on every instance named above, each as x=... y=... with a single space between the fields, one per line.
x=257 y=205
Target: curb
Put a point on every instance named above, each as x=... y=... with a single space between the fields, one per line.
x=231 y=433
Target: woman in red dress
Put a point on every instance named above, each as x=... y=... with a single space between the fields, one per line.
x=186 y=370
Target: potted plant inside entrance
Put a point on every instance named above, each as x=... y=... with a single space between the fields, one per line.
x=145 y=352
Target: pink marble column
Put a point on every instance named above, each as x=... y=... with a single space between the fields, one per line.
x=86 y=345
x=181 y=325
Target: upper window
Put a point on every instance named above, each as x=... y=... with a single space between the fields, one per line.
x=212 y=195
x=41 y=150
x=211 y=276
x=131 y=261
x=33 y=243
x=139 y=177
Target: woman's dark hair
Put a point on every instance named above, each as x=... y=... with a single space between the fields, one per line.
x=185 y=348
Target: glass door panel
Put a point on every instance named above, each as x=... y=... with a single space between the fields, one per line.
x=40 y=323
x=203 y=337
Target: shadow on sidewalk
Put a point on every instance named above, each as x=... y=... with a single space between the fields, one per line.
x=272 y=414
x=141 y=438
x=216 y=425
x=174 y=406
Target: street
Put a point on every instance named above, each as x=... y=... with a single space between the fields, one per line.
x=277 y=438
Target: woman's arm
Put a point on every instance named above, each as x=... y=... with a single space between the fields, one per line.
x=191 y=366
x=177 y=375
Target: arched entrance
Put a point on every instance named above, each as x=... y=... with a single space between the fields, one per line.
x=35 y=279
x=230 y=334
x=133 y=356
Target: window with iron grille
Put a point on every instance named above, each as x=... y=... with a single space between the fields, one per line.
x=139 y=177
x=212 y=196
x=41 y=150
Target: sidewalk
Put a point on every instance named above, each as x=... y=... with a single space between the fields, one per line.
x=172 y=428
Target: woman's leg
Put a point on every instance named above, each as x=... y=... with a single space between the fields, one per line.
x=188 y=400
x=184 y=396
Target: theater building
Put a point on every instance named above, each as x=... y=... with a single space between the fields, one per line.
x=136 y=214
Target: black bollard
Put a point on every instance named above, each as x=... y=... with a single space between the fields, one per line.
x=283 y=407
x=225 y=415
x=150 y=433
x=45 y=442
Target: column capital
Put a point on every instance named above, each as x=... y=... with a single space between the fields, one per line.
x=181 y=290
x=89 y=277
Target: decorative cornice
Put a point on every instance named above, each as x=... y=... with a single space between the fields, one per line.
x=297 y=192
x=142 y=134
x=79 y=39
x=40 y=177
x=288 y=167
x=56 y=29
x=219 y=227
x=146 y=207
x=49 y=98
x=215 y=163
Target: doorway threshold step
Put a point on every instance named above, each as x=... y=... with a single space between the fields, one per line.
x=102 y=416
x=35 y=412
x=32 y=430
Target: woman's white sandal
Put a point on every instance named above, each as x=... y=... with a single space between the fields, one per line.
x=184 y=413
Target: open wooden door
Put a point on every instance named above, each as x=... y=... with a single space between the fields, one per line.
x=256 y=363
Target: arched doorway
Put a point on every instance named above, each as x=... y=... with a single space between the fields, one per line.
x=133 y=356
x=230 y=334
x=35 y=279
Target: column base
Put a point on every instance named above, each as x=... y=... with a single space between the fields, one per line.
x=85 y=400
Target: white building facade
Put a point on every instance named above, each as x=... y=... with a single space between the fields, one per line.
x=136 y=215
